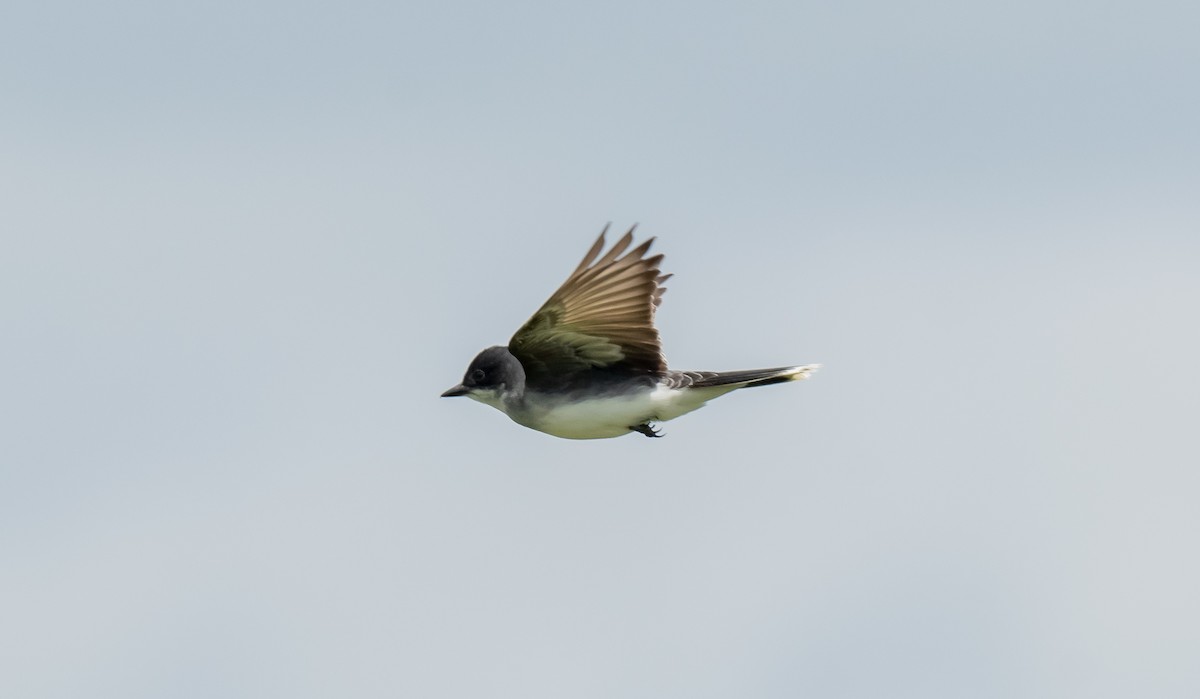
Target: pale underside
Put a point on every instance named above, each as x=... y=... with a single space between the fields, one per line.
x=602 y=417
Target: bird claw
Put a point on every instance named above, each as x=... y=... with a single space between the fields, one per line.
x=647 y=429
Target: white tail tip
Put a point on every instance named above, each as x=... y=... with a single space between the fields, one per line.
x=801 y=372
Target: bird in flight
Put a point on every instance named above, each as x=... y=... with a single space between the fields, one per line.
x=589 y=365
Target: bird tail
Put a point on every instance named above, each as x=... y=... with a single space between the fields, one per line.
x=750 y=377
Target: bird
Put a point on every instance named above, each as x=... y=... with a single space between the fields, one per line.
x=589 y=363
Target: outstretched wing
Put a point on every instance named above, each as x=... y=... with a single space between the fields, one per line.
x=602 y=317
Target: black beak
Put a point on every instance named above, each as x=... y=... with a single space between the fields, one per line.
x=459 y=390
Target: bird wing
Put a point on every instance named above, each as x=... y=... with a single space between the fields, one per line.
x=602 y=317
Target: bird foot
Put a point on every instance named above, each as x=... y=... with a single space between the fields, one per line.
x=647 y=429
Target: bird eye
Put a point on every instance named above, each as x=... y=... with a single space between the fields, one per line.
x=477 y=375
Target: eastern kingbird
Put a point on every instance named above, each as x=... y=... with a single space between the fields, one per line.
x=589 y=365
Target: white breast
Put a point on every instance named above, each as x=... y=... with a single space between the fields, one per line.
x=613 y=416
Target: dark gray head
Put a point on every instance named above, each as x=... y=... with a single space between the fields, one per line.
x=493 y=372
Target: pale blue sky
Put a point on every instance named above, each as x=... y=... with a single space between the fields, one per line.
x=246 y=246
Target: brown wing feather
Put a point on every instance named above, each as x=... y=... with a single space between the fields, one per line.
x=602 y=317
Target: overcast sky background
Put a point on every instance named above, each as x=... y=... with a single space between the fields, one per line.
x=245 y=247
